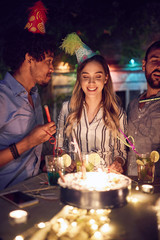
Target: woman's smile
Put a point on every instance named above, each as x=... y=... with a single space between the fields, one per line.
x=92 y=89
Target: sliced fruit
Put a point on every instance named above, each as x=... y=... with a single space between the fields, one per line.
x=94 y=158
x=66 y=160
x=78 y=166
x=89 y=167
x=154 y=156
x=139 y=162
x=145 y=160
x=60 y=162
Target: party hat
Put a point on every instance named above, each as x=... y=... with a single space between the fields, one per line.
x=72 y=44
x=37 y=18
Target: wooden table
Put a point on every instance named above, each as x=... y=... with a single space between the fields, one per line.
x=137 y=220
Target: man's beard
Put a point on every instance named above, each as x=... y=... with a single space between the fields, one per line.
x=153 y=83
x=45 y=84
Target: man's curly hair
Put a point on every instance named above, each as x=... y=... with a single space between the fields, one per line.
x=18 y=43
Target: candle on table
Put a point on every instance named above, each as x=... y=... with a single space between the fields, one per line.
x=18 y=216
x=147 y=188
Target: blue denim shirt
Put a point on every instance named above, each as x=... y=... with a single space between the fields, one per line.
x=17 y=119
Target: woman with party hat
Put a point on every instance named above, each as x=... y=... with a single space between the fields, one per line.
x=93 y=113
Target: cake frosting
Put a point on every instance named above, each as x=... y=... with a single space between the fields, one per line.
x=94 y=181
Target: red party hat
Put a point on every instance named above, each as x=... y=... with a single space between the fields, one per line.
x=37 y=18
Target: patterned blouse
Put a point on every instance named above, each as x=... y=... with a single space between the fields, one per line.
x=94 y=136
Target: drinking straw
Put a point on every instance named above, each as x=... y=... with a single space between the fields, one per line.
x=52 y=140
x=47 y=113
x=75 y=143
x=61 y=175
x=57 y=142
x=130 y=143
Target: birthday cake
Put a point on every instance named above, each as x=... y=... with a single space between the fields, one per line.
x=96 y=190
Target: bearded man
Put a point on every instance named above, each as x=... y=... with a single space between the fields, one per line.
x=144 y=112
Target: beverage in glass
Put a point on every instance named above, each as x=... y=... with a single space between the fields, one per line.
x=52 y=170
x=145 y=168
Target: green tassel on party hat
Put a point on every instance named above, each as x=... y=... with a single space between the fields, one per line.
x=72 y=44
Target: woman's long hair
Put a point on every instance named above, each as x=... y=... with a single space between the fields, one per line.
x=111 y=109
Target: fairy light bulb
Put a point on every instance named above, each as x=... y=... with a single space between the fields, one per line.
x=74 y=224
x=98 y=235
x=75 y=211
x=105 y=228
x=94 y=226
x=41 y=225
x=19 y=237
x=92 y=211
x=103 y=218
x=91 y=221
x=99 y=211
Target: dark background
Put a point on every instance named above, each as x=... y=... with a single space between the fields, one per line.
x=120 y=30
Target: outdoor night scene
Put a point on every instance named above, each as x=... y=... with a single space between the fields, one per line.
x=80 y=120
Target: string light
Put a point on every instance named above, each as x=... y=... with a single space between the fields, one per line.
x=63 y=67
x=94 y=226
x=41 y=225
x=98 y=235
x=132 y=61
x=19 y=237
x=105 y=228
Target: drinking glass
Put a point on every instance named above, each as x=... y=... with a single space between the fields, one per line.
x=145 y=168
x=52 y=169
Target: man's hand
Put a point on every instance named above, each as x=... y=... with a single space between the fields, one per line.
x=41 y=134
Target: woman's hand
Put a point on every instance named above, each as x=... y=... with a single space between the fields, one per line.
x=71 y=168
x=117 y=165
